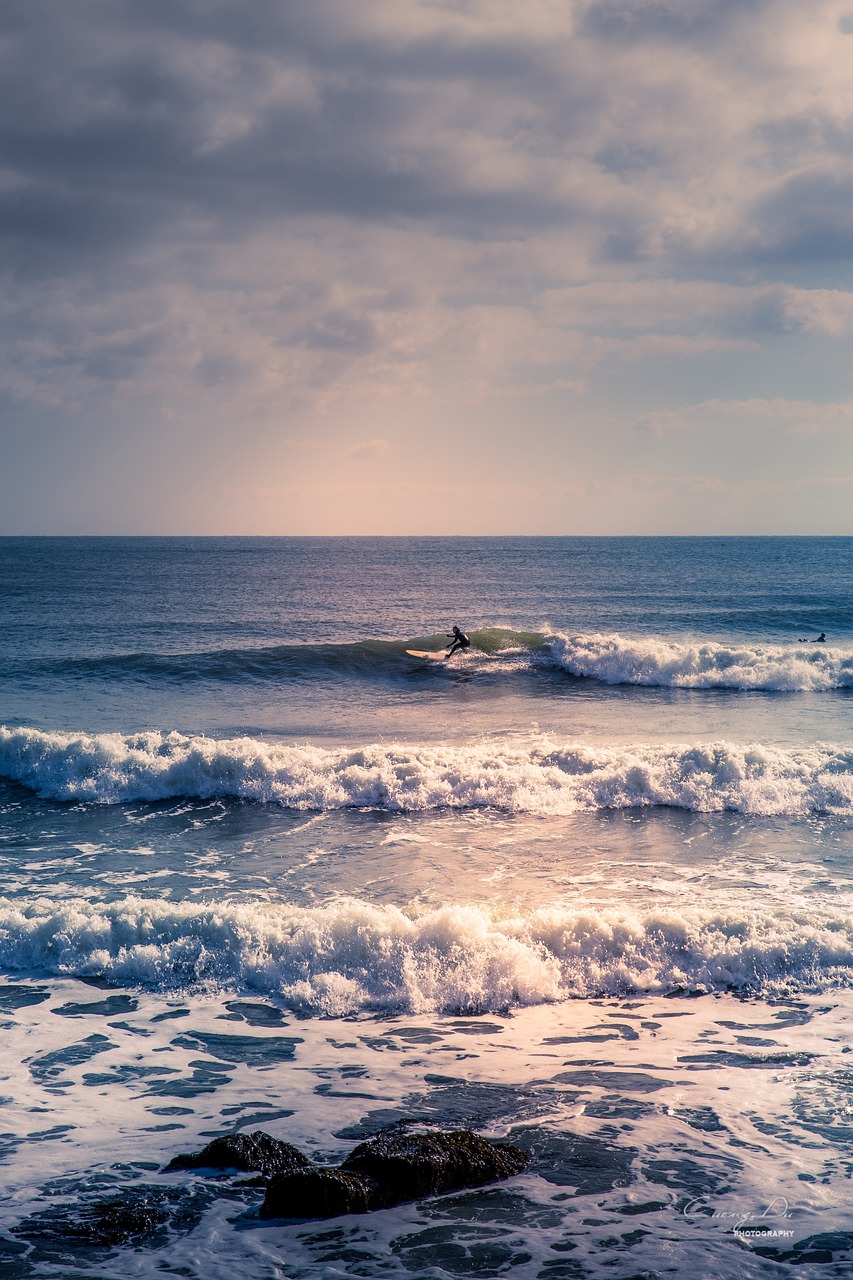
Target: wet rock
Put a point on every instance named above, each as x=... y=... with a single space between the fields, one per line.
x=393 y=1167
x=418 y=1164
x=115 y=1222
x=318 y=1193
x=249 y=1152
x=142 y=1215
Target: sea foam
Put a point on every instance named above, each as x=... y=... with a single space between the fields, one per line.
x=649 y=660
x=538 y=777
x=352 y=956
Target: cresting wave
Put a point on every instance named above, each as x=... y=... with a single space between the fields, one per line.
x=537 y=778
x=647 y=660
x=351 y=956
x=357 y=659
x=498 y=652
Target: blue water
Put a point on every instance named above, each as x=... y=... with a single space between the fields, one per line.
x=92 y=596
x=222 y=778
x=308 y=635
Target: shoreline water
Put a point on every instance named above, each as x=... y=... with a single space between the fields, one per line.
x=588 y=885
x=656 y=1127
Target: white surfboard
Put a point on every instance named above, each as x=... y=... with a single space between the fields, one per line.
x=435 y=654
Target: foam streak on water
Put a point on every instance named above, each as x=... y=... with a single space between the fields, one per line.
x=587 y=885
x=656 y=1130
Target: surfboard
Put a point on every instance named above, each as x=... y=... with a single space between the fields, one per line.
x=426 y=653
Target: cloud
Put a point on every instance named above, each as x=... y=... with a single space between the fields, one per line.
x=669 y=21
x=368 y=449
x=797 y=417
x=306 y=219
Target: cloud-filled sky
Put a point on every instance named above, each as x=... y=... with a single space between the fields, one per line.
x=426 y=266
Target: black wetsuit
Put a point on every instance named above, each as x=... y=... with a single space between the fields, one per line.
x=460 y=641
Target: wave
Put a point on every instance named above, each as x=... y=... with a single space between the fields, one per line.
x=647 y=660
x=366 y=658
x=536 y=778
x=352 y=956
x=498 y=652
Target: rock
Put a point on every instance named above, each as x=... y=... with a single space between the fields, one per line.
x=317 y=1193
x=111 y=1222
x=248 y=1152
x=408 y=1165
x=390 y=1169
x=142 y=1215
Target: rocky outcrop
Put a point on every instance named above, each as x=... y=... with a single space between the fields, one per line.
x=248 y=1152
x=393 y=1167
x=318 y=1193
x=422 y=1164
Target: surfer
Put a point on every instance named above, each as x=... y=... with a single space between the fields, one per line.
x=820 y=640
x=460 y=641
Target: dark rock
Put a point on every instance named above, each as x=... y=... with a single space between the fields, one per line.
x=248 y=1152
x=393 y=1167
x=417 y=1164
x=141 y=1215
x=317 y=1193
x=115 y=1222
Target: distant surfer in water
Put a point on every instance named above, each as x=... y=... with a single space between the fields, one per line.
x=820 y=640
x=460 y=641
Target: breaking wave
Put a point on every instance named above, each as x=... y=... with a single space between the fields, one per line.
x=497 y=652
x=536 y=778
x=351 y=956
x=648 y=660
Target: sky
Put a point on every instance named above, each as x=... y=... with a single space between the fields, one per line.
x=426 y=267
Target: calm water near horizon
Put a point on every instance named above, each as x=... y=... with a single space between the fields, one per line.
x=586 y=885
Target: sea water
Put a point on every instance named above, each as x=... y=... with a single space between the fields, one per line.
x=585 y=886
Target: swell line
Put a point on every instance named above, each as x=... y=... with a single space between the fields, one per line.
x=496 y=652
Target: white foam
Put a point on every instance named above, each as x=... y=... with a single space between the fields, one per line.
x=538 y=777
x=350 y=955
x=647 y=660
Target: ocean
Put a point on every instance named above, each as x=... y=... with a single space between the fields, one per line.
x=585 y=887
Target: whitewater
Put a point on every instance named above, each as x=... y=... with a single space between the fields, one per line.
x=587 y=886
x=541 y=778
x=667 y=663
x=354 y=956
